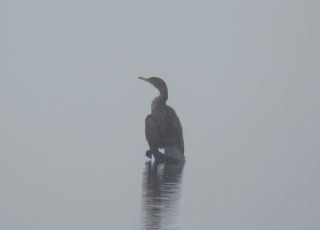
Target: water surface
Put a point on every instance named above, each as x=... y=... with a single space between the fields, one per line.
x=161 y=192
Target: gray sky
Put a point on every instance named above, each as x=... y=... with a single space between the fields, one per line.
x=242 y=75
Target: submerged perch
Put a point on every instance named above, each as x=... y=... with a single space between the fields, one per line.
x=163 y=128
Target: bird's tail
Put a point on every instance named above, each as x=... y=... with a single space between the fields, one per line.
x=175 y=153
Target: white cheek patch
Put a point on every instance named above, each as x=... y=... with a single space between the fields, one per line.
x=161 y=150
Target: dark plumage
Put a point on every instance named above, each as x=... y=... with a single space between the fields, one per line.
x=163 y=128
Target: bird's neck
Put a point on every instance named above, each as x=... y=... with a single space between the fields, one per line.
x=160 y=100
x=163 y=96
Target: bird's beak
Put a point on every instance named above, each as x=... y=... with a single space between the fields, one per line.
x=144 y=79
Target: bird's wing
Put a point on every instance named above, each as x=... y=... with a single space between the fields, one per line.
x=174 y=129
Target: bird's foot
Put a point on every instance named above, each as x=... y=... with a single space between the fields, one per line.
x=149 y=154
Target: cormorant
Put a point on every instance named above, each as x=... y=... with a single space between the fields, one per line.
x=163 y=129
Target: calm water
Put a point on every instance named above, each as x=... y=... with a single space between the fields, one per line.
x=161 y=192
x=77 y=161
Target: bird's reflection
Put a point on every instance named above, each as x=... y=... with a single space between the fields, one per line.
x=160 y=195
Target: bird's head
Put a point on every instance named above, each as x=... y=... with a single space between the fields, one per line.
x=156 y=82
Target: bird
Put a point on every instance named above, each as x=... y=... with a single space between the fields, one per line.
x=163 y=128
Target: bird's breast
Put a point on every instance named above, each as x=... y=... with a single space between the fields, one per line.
x=154 y=104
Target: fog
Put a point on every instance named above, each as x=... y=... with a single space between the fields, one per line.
x=243 y=76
